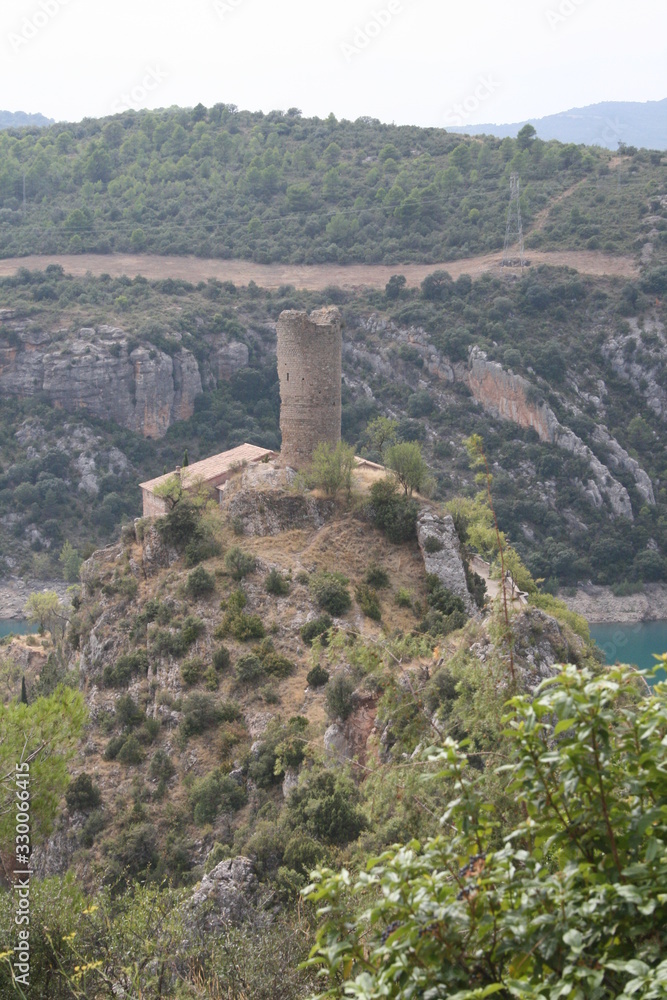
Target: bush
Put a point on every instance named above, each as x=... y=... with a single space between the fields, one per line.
x=317 y=628
x=237 y=623
x=239 y=563
x=93 y=825
x=221 y=658
x=275 y=583
x=128 y=713
x=317 y=676
x=131 y=752
x=331 y=593
x=403 y=598
x=202 y=712
x=325 y=806
x=406 y=462
x=161 y=766
x=199 y=583
x=181 y=525
x=82 y=795
x=211 y=679
x=331 y=468
x=339 y=697
x=392 y=512
x=369 y=601
x=125 y=668
x=377 y=576
x=200 y=549
x=191 y=670
x=249 y=669
x=433 y=544
x=215 y=793
x=113 y=747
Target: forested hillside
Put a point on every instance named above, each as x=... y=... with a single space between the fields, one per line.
x=220 y=182
x=586 y=500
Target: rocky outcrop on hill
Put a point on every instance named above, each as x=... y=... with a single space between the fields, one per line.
x=637 y=355
x=510 y=397
x=445 y=562
x=104 y=373
x=229 y=894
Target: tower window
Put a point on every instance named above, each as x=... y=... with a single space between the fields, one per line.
x=288 y=376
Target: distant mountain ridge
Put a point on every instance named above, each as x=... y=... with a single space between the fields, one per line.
x=641 y=124
x=19 y=119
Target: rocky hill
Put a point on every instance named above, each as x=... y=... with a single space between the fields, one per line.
x=253 y=714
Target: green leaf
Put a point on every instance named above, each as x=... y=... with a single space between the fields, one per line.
x=563 y=725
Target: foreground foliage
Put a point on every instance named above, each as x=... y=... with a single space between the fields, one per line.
x=571 y=903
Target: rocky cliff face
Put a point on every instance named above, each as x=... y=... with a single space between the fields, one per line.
x=509 y=397
x=100 y=371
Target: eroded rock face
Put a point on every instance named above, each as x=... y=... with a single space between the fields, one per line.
x=447 y=562
x=99 y=371
x=229 y=894
x=272 y=511
x=508 y=397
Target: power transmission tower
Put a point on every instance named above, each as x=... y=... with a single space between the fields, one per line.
x=514 y=228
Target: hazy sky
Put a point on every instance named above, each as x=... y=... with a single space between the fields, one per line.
x=424 y=62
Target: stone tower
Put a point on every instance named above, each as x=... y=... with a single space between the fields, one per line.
x=309 y=368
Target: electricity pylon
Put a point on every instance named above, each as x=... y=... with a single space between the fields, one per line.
x=514 y=228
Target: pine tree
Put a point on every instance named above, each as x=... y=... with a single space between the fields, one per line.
x=186 y=460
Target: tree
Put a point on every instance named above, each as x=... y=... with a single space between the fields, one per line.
x=71 y=562
x=24 y=694
x=407 y=463
x=395 y=286
x=331 y=468
x=381 y=433
x=526 y=136
x=36 y=742
x=571 y=902
x=46 y=610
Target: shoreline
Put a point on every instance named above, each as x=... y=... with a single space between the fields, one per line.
x=599 y=606
x=14 y=592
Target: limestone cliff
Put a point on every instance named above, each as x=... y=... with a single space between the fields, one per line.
x=102 y=372
x=508 y=397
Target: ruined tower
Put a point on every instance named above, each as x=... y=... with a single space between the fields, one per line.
x=309 y=367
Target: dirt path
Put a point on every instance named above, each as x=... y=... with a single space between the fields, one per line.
x=541 y=217
x=314 y=277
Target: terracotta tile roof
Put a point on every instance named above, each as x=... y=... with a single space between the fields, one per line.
x=211 y=468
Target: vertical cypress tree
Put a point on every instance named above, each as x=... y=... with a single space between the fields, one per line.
x=24 y=693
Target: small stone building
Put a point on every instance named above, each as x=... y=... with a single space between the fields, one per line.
x=310 y=372
x=211 y=472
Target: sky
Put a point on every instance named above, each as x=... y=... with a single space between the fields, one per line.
x=420 y=62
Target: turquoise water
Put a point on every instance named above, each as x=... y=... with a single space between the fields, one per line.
x=8 y=625
x=631 y=642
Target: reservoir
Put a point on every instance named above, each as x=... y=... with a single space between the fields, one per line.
x=15 y=625
x=631 y=642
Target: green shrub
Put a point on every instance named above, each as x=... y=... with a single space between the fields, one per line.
x=339 y=697
x=281 y=746
x=202 y=712
x=302 y=577
x=393 y=513
x=93 y=825
x=221 y=658
x=241 y=626
x=113 y=747
x=433 y=544
x=325 y=805
x=200 y=583
x=275 y=583
x=331 y=468
x=239 y=563
x=403 y=598
x=211 y=679
x=192 y=670
x=376 y=576
x=249 y=669
x=130 y=752
x=303 y=853
x=82 y=794
x=161 y=767
x=331 y=593
x=369 y=601
x=277 y=665
x=318 y=627
x=125 y=668
x=317 y=676
x=213 y=794
x=181 y=525
x=128 y=713
x=200 y=549
x=149 y=731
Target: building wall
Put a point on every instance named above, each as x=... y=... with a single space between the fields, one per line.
x=309 y=368
x=153 y=506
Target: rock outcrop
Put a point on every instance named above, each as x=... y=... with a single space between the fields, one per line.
x=104 y=373
x=445 y=562
x=508 y=396
x=229 y=894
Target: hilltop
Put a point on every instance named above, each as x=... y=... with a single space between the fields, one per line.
x=20 y=119
x=219 y=182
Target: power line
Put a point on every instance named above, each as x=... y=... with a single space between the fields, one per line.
x=514 y=228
